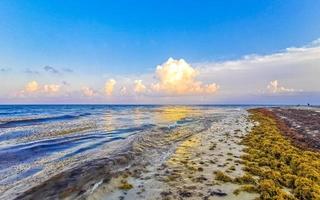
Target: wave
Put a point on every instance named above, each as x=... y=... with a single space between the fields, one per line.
x=36 y=121
x=145 y=148
x=22 y=153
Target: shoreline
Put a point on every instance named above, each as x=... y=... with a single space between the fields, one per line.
x=237 y=155
x=188 y=173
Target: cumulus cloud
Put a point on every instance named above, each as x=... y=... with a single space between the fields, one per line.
x=123 y=90
x=298 y=67
x=51 y=88
x=32 y=86
x=294 y=72
x=51 y=69
x=87 y=91
x=139 y=87
x=274 y=87
x=109 y=86
x=177 y=77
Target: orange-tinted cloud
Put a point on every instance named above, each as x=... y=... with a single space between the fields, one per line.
x=32 y=86
x=109 y=86
x=87 y=91
x=177 y=77
x=139 y=87
x=51 y=88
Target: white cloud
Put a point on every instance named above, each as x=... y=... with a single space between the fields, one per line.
x=139 y=87
x=32 y=86
x=123 y=90
x=87 y=91
x=298 y=67
x=274 y=87
x=51 y=88
x=294 y=71
x=109 y=86
x=177 y=77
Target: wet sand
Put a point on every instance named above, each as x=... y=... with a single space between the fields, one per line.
x=188 y=173
x=191 y=171
x=164 y=163
x=190 y=162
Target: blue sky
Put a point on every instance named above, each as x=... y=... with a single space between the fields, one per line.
x=91 y=42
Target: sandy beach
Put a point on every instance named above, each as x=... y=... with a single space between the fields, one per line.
x=224 y=165
x=160 y=100
x=189 y=171
x=227 y=153
x=233 y=164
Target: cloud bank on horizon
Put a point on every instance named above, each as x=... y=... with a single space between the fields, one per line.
x=252 y=79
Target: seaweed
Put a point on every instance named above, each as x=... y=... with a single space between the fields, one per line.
x=125 y=185
x=246 y=188
x=220 y=176
x=306 y=189
x=284 y=170
x=245 y=179
x=212 y=147
x=232 y=168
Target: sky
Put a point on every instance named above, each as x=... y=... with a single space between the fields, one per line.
x=160 y=52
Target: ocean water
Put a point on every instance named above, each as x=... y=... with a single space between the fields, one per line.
x=40 y=141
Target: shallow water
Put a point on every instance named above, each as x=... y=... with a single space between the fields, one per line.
x=187 y=171
x=39 y=141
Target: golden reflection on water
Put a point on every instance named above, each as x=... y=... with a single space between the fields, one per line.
x=184 y=152
x=182 y=160
x=173 y=113
x=109 y=122
x=159 y=115
x=137 y=116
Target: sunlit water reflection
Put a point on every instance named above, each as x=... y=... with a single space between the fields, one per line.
x=39 y=141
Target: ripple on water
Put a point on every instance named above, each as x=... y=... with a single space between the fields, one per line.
x=39 y=142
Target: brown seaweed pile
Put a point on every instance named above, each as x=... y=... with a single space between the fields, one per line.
x=304 y=126
x=283 y=170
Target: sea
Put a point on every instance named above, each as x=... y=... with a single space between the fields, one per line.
x=37 y=142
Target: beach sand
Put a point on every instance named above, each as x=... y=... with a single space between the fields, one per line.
x=189 y=171
x=238 y=155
